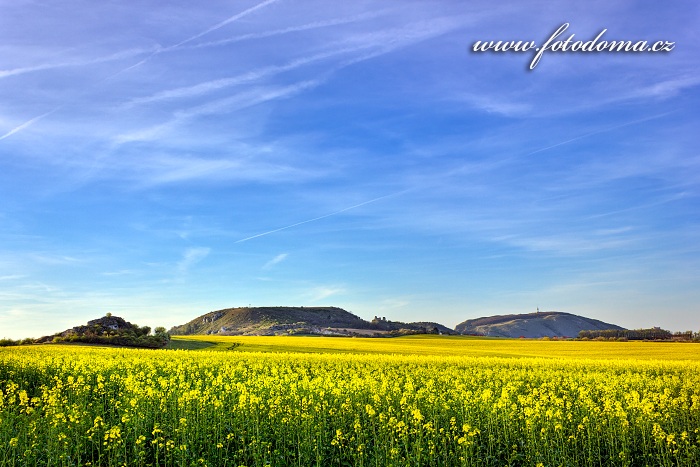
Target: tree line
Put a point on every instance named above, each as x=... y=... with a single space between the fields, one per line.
x=650 y=334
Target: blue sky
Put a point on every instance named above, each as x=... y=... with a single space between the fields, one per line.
x=159 y=161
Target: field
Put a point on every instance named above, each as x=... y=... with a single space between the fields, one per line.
x=452 y=345
x=303 y=401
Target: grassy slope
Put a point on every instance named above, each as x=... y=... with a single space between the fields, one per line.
x=452 y=345
x=250 y=319
x=258 y=319
x=185 y=344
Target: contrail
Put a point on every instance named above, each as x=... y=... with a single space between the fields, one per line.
x=250 y=76
x=48 y=66
x=156 y=52
x=291 y=29
x=604 y=130
x=196 y=36
x=225 y=22
x=320 y=217
x=26 y=124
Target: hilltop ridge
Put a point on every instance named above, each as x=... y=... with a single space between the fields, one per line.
x=334 y=321
x=533 y=325
x=283 y=320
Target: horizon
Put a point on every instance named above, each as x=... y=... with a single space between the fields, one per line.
x=163 y=161
x=367 y=319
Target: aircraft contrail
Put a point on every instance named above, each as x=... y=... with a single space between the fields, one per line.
x=225 y=22
x=26 y=124
x=604 y=130
x=292 y=29
x=320 y=217
x=154 y=53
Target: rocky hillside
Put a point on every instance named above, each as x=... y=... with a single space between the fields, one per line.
x=282 y=320
x=110 y=330
x=532 y=325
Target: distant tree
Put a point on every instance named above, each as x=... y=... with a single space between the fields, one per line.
x=162 y=335
x=108 y=315
x=684 y=336
x=630 y=334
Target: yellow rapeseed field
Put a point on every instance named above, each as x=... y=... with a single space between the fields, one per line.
x=425 y=401
x=457 y=346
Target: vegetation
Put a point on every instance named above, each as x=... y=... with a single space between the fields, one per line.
x=188 y=344
x=68 y=405
x=11 y=342
x=110 y=330
x=283 y=320
x=639 y=334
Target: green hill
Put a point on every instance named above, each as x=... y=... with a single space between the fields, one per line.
x=298 y=320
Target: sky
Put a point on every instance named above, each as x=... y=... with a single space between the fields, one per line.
x=160 y=160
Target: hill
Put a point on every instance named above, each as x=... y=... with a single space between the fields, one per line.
x=110 y=330
x=269 y=321
x=533 y=325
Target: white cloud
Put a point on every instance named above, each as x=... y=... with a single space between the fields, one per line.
x=192 y=256
x=12 y=277
x=252 y=76
x=667 y=88
x=393 y=303
x=122 y=272
x=322 y=292
x=276 y=260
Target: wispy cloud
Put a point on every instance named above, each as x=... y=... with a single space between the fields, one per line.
x=12 y=277
x=322 y=292
x=248 y=99
x=578 y=244
x=292 y=29
x=248 y=77
x=667 y=88
x=190 y=257
x=122 y=272
x=319 y=217
x=26 y=124
x=369 y=45
x=235 y=103
x=160 y=50
x=602 y=130
x=54 y=259
x=276 y=260
x=165 y=169
x=393 y=303
x=496 y=104
x=121 y=55
x=117 y=56
x=41 y=287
